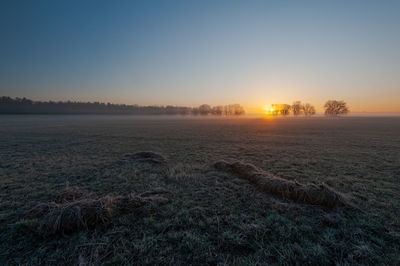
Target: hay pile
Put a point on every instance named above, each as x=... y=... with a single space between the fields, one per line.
x=320 y=194
x=73 y=194
x=72 y=216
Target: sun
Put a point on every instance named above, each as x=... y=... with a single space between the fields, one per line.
x=268 y=110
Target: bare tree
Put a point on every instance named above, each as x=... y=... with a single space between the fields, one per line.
x=217 y=110
x=204 y=109
x=308 y=109
x=227 y=110
x=233 y=109
x=285 y=109
x=297 y=108
x=238 y=109
x=334 y=108
x=280 y=109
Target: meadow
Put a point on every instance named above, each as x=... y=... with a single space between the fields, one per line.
x=211 y=217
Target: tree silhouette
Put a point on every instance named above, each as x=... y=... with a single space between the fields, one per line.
x=334 y=108
x=297 y=108
x=9 y=105
x=280 y=109
x=238 y=109
x=233 y=109
x=308 y=109
x=205 y=109
x=217 y=110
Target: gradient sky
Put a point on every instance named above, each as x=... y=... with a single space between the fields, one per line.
x=194 y=52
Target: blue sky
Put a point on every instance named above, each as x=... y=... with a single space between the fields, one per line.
x=194 y=52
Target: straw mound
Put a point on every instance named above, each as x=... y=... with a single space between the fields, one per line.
x=147 y=156
x=73 y=194
x=85 y=213
x=320 y=194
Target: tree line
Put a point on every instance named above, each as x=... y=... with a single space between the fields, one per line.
x=332 y=108
x=17 y=105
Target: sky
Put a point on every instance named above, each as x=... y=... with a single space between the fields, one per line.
x=194 y=52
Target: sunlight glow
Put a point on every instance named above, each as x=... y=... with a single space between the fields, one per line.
x=269 y=109
x=276 y=109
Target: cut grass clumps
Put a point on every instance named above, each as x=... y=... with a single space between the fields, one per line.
x=72 y=194
x=69 y=217
x=321 y=194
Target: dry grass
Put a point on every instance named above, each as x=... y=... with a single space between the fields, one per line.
x=320 y=194
x=72 y=194
x=72 y=216
x=214 y=217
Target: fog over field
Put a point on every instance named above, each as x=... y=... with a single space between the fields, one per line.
x=208 y=216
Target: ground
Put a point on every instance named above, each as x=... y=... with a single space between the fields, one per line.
x=212 y=217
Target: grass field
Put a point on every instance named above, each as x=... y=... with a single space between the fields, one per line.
x=212 y=217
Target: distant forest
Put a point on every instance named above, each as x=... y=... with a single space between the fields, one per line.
x=10 y=105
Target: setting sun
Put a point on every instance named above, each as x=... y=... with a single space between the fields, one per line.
x=269 y=109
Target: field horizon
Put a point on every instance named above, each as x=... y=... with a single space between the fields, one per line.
x=22 y=105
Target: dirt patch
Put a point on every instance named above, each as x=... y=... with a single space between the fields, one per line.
x=68 y=217
x=320 y=194
x=147 y=157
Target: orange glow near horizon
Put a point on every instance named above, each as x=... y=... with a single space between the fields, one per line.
x=268 y=109
x=274 y=109
x=355 y=107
